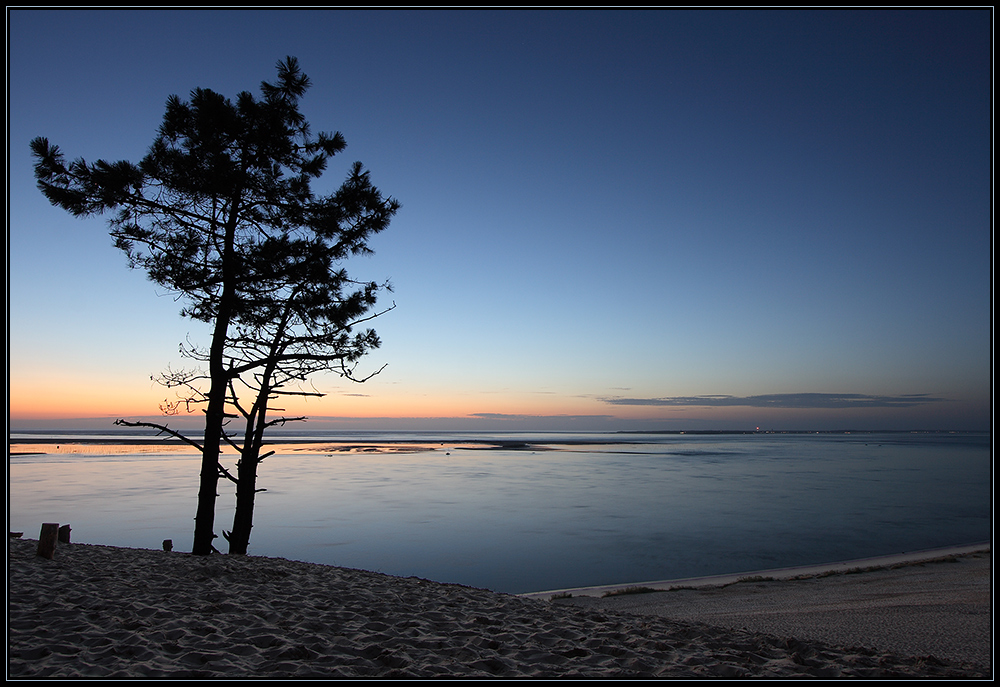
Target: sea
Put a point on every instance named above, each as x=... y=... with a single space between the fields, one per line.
x=526 y=512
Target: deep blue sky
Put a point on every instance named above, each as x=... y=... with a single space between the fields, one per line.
x=611 y=219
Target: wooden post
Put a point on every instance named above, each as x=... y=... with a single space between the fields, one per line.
x=64 y=534
x=47 y=539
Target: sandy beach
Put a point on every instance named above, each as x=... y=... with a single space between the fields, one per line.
x=98 y=611
x=935 y=603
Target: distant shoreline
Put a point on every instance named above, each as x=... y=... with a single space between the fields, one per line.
x=461 y=437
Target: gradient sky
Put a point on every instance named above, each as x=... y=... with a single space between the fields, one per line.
x=610 y=219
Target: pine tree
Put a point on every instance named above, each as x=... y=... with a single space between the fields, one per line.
x=221 y=212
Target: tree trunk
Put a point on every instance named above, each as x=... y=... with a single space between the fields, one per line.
x=253 y=441
x=246 y=491
x=204 y=519
x=215 y=414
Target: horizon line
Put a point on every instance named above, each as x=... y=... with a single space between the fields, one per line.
x=291 y=431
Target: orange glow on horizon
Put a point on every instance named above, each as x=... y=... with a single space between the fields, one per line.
x=52 y=400
x=74 y=401
x=49 y=402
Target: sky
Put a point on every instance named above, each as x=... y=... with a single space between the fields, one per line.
x=611 y=220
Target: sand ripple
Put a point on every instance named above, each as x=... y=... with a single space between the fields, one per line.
x=98 y=611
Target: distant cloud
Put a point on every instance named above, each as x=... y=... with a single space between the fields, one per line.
x=515 y=416
x=809 y=400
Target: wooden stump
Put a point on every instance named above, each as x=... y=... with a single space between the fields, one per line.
x=47 y=539
x=64 y=534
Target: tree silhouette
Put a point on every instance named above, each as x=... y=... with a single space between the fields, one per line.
x=221 y=212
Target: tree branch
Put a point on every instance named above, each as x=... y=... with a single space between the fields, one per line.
x=163 y=430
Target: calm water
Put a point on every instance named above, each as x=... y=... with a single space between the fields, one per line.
x=554 y=515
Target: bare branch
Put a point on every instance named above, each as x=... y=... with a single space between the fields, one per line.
x=223 y=472
x=283 y=420
x=163 y=429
